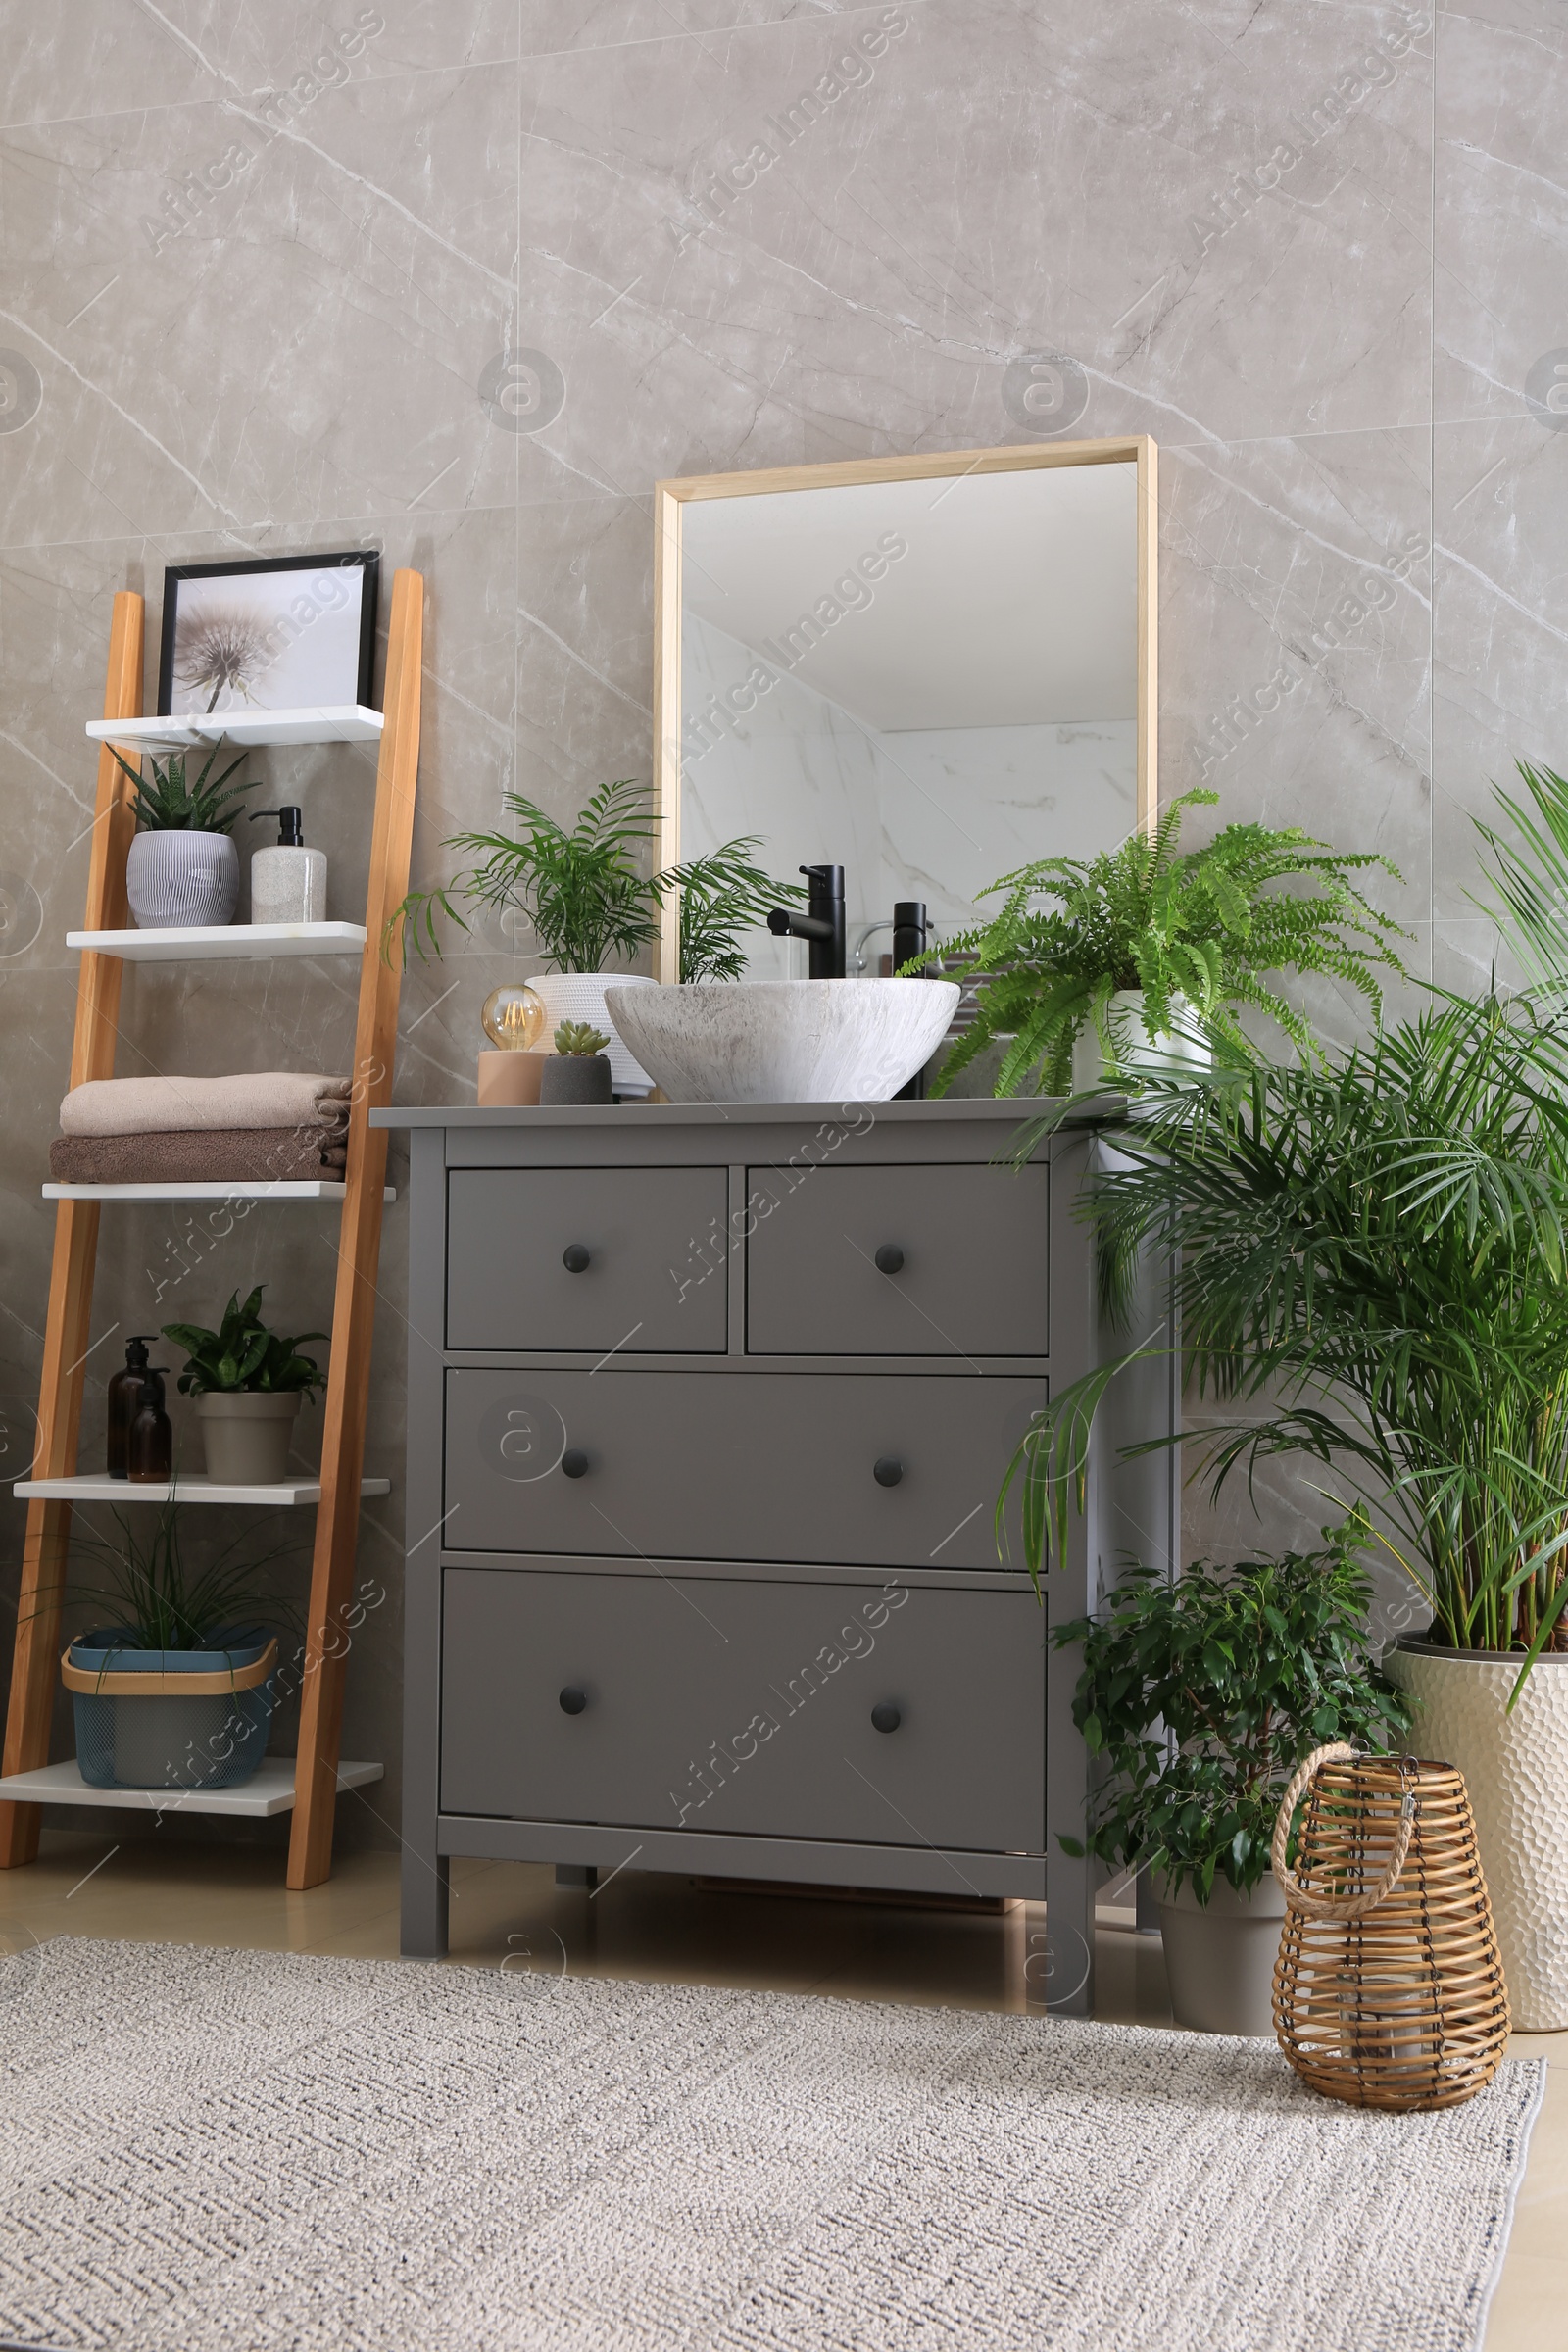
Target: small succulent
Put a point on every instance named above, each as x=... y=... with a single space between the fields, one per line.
x=580 y=1036
x=169 y=805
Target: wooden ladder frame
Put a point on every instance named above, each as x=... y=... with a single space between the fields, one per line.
x=67 y=1335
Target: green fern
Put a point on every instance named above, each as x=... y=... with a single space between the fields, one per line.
x=1202 y=926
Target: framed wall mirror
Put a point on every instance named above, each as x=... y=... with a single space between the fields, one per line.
x=927 y=670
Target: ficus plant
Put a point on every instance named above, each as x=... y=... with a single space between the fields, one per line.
x=242 y=1356
x=1201 y=1695
x=1195 y=929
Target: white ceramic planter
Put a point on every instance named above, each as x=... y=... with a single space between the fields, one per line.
x=580 y=996
x=1219 y=1956
x=247 y=1435
x=1182 y=1048
x=1517 y=1770
x=177 y=876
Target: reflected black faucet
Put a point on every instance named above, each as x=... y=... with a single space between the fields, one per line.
x=823 y=923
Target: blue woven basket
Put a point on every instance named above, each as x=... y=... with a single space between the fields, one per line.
x=212 y=1737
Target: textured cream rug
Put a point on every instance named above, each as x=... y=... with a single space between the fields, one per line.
x=254 y=2151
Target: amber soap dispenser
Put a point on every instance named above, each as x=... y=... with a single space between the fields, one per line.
x=124 y=1395
x=150 y=1439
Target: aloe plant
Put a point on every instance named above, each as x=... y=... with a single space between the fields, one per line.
x=243 y=1356
x=170 y=804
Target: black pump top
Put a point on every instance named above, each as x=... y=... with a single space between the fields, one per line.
x=290 y=831
x=137 y=1350
x=152 y=1389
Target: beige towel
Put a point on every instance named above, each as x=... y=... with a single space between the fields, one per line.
x=222 y=1155
x=189 y=1105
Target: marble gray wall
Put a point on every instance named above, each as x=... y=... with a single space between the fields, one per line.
x=257 y=263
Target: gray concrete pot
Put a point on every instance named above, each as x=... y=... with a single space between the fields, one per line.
x=247 y=1435
x=175 y=876
x=1219 y=1958
x=573 y=1078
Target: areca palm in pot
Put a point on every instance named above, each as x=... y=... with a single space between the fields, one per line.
x=182 y=865
x=249 y=1384
x=1150 y=952
x=1200 y=1696
x=584 y=893
x=1372 y=1273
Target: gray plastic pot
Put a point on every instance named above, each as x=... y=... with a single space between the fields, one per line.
x=176 y=876
x=574 y=1078
x=247 y=1437
x=1219 y=1958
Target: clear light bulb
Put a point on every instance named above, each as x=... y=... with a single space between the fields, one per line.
x=513 y=1016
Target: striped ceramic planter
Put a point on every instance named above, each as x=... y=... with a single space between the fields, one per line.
x=175 y=876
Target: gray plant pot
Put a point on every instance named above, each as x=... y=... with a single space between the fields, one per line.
x=178 y=877
x=1219 y=1957
x=247 y=1437
x=571 y=1078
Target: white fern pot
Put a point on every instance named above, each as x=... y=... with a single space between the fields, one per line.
x=175 y=876
x=580 y=996
x=1515 y=1768
x=1181 y=1048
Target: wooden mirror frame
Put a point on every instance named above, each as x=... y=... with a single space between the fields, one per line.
x=671 y=499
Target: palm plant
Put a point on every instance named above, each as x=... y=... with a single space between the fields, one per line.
x=1372 y=1267
x=586 y=895
x=722 y=894
x=1202 y=926
x=1533 y=883
x=170 y=804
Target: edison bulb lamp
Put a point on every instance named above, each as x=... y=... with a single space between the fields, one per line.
x=513 y=1017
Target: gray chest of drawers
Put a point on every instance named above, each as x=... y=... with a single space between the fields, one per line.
x=707 y=1414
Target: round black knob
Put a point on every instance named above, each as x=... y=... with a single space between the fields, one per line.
x=885 y=1718
x=574 y=1462
x=887 y=1470
x=889 y=1258
x=572 y=1700
x=574 y=1257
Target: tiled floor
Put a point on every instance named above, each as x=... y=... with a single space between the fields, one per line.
x=513 y=1916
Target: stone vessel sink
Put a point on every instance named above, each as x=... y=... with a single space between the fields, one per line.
x=784 y=1041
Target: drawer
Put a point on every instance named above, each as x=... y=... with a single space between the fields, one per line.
x=973 y=1244
x=655 y=1275
x=733 y=1465
x=746 y=1707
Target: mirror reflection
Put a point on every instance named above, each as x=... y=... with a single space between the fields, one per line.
x=925 y=682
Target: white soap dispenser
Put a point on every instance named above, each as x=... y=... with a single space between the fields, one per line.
x=288 y=883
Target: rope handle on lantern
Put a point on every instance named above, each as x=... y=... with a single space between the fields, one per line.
x=1334 y=1906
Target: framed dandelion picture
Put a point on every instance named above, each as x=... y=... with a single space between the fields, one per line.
x=286 y=633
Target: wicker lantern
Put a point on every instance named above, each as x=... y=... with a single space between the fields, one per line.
x=1389 y=1989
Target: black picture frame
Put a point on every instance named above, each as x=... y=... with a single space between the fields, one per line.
x=368 y=562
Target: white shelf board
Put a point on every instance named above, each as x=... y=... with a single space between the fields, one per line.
x=251 y=942
x=302 y=1188
x=95 y=1486
x=320 y=723
x=270 y=1789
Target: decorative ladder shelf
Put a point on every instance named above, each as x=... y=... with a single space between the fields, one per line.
x=310 y=1782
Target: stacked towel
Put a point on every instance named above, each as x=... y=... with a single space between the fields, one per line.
x=267 y=1125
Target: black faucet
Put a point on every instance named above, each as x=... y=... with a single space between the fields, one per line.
x=910 y=935
x=823 y=923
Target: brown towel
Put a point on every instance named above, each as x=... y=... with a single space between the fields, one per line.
x=257 y=1098
x=214 y=1155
